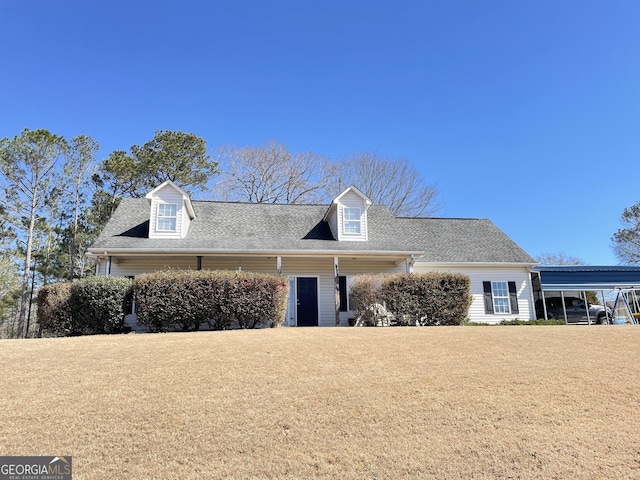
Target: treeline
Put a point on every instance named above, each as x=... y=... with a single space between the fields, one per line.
x=56 y=196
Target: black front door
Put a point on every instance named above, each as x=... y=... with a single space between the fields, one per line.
x=307 y=302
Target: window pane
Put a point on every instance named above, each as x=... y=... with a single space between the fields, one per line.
x=352 y=220
x=166 y=224
x=352 y=227
x=167 y=215
x=167 y=210
x=352 y=214
x=501 y=305
x=500 y=291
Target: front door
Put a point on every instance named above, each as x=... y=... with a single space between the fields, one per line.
x=307 y=301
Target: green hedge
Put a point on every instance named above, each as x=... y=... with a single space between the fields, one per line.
x=413 y=299
x=99 y=304
x=429 y=298
x=92 y=305
x=221 y=299
x=54 y=311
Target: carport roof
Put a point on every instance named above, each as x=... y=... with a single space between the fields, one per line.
x=584 y=277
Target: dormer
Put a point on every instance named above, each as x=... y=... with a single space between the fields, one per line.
x=347 y=216
x=171 y=211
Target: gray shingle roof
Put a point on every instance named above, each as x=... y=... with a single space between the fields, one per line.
x=463 y=240
x=255 y=228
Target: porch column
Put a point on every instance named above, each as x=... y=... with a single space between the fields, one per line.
x=199 y=262
x=279 y=265
x=336 y=278
x=107 y=268
x=409 y=264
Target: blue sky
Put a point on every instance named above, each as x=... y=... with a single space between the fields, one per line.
x=524 y=112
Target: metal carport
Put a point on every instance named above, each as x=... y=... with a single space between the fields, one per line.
x=583 y=278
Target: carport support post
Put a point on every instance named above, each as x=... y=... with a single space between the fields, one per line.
x=336 y=279
x=564 y=307
x=604 y=304
x=586 y=304
x=544 y=306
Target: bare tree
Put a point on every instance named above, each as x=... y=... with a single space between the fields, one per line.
x=560 y=258
x=388 y=181
x=626 y=241
x=271 y=174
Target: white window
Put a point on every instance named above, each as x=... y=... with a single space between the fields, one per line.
x=352 y=222
x=167 y=217
x=500 y=297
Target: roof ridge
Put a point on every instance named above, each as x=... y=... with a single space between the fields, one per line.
x=226 y=202
x=443 y=218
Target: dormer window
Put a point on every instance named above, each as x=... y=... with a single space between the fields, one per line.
x=352 y=222
x=347 y=216
x=167 y=217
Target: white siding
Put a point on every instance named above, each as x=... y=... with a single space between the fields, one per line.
x=333 y=224
x=352 y=200
x=124 y=267
x=169 y=195
x=518 y=274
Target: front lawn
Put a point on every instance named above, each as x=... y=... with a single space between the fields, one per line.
x=348 y=403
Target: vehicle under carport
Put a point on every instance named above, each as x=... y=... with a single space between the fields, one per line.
x=617 y=284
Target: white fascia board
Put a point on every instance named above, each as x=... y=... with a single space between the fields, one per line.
x=475 y=264
x=355 y=190
x=271 y=253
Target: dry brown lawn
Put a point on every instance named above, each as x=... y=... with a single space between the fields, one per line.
x=345 y=403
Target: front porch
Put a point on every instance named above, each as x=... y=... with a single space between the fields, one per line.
x=318 y=284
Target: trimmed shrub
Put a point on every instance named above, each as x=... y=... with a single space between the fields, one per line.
x=54 y=310
x=428 y=299
x=164 y=299
x=257 y=300
x=221 y=299
x=365 y=296
x=99 y=304
x=412 y=299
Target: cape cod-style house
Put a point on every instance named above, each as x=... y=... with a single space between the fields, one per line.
x=319 y=248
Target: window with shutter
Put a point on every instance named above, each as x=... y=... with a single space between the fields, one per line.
x=500 y=297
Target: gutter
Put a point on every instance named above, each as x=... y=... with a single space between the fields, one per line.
x=481 y=264
x=300 y=253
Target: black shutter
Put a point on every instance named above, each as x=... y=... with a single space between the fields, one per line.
x=342 y=285
x=513 y=297
x=488 y=299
